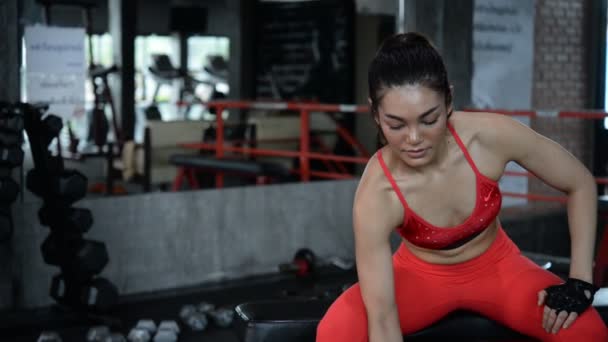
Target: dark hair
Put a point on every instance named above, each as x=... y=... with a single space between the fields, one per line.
x=407 y=59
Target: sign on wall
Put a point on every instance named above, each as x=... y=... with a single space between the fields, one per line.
x=305 y=51
x=55 y=69
x=503 y=61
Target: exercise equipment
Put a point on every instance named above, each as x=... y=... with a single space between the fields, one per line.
x=9 y=189
x=165 y=73
x=97 y=294
x=302 y=265
x=222 y=317
x=305 y=263
x=195 y=317
x=98 y=333
x=67 y=187
x=168 y=331
x=49 y=336
x=77 y=286
x=138 y=335
x=99 y=126
x=84 y=257
x=74 y=221
x=6 y=223
x=10 y=139
x=11 y=156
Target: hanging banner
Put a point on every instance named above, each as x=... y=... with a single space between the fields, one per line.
x=55 y=69
x=503 y=54
x=503 y=59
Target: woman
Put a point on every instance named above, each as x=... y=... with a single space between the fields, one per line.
x=436 y=181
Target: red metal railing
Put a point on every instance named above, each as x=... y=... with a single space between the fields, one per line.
x=305 y=155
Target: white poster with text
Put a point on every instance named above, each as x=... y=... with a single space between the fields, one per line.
x=55 y=69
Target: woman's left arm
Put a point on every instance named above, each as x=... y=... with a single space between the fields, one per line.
x=559 y=169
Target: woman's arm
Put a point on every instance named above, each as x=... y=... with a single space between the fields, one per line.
x=373 y=222
x=561 y=170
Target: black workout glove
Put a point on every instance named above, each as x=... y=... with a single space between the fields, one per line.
x=571 y=296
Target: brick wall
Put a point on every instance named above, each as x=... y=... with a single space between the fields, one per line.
x=560 y=78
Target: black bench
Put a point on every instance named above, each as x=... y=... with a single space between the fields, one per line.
x=189 y=164
x=297 y=320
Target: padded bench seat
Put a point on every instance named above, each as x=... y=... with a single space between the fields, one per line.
x=189 y=164
x=297 y=320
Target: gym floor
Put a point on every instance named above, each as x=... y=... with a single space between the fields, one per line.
x=27 y=325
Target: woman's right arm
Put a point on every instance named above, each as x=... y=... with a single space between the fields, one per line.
x=373 y=222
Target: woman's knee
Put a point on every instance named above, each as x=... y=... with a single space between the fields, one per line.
x=588 y=327
x=345 y=320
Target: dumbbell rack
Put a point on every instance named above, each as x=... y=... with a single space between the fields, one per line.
x=11 y=156
x=78 y=285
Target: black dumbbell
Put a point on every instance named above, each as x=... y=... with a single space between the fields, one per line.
x=100 y=294
x=11 y=124
x=72 y=221
x=10 y=139
x=11 y=156
x=6 y=223
x=303 y=264
x=9 y=189
x=68 y=187
x=52 y=125
x=97 y=294
x=84 y=257
x=91 y=257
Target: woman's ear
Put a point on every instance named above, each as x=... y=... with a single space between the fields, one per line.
x=374 y=112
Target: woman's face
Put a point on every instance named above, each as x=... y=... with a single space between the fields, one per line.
x=413 y=119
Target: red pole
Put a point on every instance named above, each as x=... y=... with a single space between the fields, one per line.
x=219 y=143
x=304 y=145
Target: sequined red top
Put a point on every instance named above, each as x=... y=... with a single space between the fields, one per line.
x=423 y=234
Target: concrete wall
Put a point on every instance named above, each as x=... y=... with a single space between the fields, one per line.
x=168 y=240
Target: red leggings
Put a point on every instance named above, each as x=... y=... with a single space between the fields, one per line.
x=500 y=284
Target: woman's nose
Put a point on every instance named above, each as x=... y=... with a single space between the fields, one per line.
x=413 y=136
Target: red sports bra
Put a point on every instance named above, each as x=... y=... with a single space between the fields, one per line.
x=423 y=234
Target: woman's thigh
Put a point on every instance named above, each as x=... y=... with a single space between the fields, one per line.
x=509 y=295
x=421 y=300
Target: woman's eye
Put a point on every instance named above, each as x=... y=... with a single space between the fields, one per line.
x=429 y=122
x=395 y=127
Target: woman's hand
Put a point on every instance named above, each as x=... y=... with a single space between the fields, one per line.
x=564 y=303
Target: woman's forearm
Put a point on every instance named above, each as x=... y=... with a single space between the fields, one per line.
x=582 y=220
x=385 y=327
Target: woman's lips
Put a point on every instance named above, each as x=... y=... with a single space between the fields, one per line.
x=416 y=153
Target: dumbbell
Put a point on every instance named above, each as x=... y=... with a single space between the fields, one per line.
x=167 y=331
x=10 y=138
x=51 y=126
x=222 y=317
x=102 y=333
x=9 y=189
x=6 y=223
x=11 y=123
x=303 y=264
x=49 y=336
x=72 y=221
x=194 y=318
x=84 y=257
x=97 y=294
x=11 y=156
x=68 y=187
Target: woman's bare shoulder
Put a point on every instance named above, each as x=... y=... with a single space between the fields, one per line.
x=375 y=198
x=480 y=126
